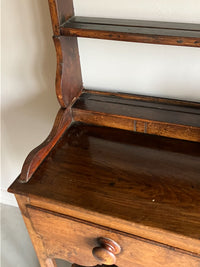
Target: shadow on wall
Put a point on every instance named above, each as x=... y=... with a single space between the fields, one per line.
x=27 y=114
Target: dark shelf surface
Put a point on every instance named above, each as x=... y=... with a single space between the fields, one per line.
x=150 y=180
x=165 y=117
x=154 y=111
x=182 y=34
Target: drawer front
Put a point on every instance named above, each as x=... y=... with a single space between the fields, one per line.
x=74 y=240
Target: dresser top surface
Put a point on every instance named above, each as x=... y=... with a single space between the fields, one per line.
x=149 y=180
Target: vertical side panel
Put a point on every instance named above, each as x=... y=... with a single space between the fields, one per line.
x=65 y=10
x=60 y=10
x=68 y=76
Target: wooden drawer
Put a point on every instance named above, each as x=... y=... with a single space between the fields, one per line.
x=74 y=240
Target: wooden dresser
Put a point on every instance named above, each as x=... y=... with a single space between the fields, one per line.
x=117 y=181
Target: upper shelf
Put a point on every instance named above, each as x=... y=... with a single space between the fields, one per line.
x=155 y=32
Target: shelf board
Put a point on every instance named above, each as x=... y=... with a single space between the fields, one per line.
x=154 y=32
x=159 y=116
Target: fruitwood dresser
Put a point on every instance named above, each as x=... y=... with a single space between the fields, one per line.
x=117 y=181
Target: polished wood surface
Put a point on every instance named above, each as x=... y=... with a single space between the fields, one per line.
x=37 y=155
x=145 y=115
x=144 y=180
x=181 y=34
x=68 y=76
x=106 y=251
x=108 y=185
x=102 y=265
x=74 y=241
x=141 y=114
x=61 y=10
x=38 y=244
x=146 y=98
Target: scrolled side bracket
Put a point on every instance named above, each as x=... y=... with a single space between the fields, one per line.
x=37 y=155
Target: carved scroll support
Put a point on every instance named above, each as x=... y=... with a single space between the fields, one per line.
x=37 y=155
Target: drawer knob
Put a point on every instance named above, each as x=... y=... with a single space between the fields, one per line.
x=106 y=252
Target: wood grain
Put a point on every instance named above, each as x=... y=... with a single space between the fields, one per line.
x=61 y=10
x=140 y=114
x=37 y=155
x=74 y=240
x=102 y=265
x=146 y=185
x=136 y=23
x=180 y=34
x=106 y=250
x=38 y=244
x=68 y=76
x=145 y=98
x=121 y=193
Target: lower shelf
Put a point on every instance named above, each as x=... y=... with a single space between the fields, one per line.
x=159 y=116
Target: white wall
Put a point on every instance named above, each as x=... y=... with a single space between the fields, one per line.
x=29 y=104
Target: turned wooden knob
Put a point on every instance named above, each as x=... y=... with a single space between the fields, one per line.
x=106 y=252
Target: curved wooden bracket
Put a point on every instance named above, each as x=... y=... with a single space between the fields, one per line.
x=68 y=76
x=37 y=155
